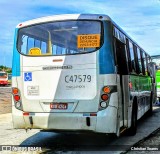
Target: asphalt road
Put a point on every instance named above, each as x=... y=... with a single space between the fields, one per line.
x=5 y=99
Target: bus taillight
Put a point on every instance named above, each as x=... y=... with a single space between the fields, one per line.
x=104 y=97
x=17 y=98
x=15 y=91
x=106 y=90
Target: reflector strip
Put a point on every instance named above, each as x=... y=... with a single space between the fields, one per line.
x=93 y=114
x=86 y=114
x=32 y=114
x=89 y=114
x=26 y=113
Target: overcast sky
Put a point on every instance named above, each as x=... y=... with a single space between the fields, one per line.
x=139 y=18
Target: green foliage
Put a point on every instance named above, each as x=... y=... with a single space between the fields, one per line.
x=5 y=68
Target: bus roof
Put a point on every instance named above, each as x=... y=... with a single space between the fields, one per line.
x=101 y=17
x=63 y=17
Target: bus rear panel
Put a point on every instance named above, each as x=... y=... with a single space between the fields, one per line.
x=62 y=75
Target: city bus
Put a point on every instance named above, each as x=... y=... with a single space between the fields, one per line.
x=156 y=59
x=3 y=78
x=79 y=72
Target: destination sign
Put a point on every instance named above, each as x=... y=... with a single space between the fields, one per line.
x=88 y=41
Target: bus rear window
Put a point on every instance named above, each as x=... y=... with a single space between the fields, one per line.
x=60 y=38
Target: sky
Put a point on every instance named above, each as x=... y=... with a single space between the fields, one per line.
x=140 y=19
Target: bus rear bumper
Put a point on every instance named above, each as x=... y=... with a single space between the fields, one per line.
x=100 y=122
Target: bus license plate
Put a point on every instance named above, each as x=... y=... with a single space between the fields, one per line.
x=59 y=106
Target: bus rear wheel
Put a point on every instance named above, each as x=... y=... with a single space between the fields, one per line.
x=150 y=111
x=133 y=129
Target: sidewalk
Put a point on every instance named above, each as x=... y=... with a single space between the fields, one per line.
x=145 y=127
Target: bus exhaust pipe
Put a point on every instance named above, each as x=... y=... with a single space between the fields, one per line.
x=31 y=121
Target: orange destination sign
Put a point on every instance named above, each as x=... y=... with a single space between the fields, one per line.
x=88 y=41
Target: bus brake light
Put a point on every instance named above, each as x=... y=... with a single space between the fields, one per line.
x=16 y=97
x=104 y=97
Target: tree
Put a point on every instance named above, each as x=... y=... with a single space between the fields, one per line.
x=6 y=69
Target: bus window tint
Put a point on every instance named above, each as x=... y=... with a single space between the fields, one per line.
x=147 y=62
x=43 y=47
x=132 y=57
x=24 y=45
x=139 y=60
x=61 y=38
x=30 y=43
x=121 y=57
x=37 y=43
x=144 y=68
x=128 y=55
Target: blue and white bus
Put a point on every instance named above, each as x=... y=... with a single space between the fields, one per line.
x=79 y=72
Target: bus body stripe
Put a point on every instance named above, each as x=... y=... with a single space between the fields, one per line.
x=16 y=58
x=106 y=58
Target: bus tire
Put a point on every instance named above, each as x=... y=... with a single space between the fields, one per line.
x=150 y=111
x=133 y=129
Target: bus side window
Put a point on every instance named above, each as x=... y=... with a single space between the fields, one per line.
x=121 y=57
x=128 y=55
x=148 y=60
x=139 y=61
x=132 y=57
x=143 y=62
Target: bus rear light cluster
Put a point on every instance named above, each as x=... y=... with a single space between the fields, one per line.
x=17 y=98
x=104 y=99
